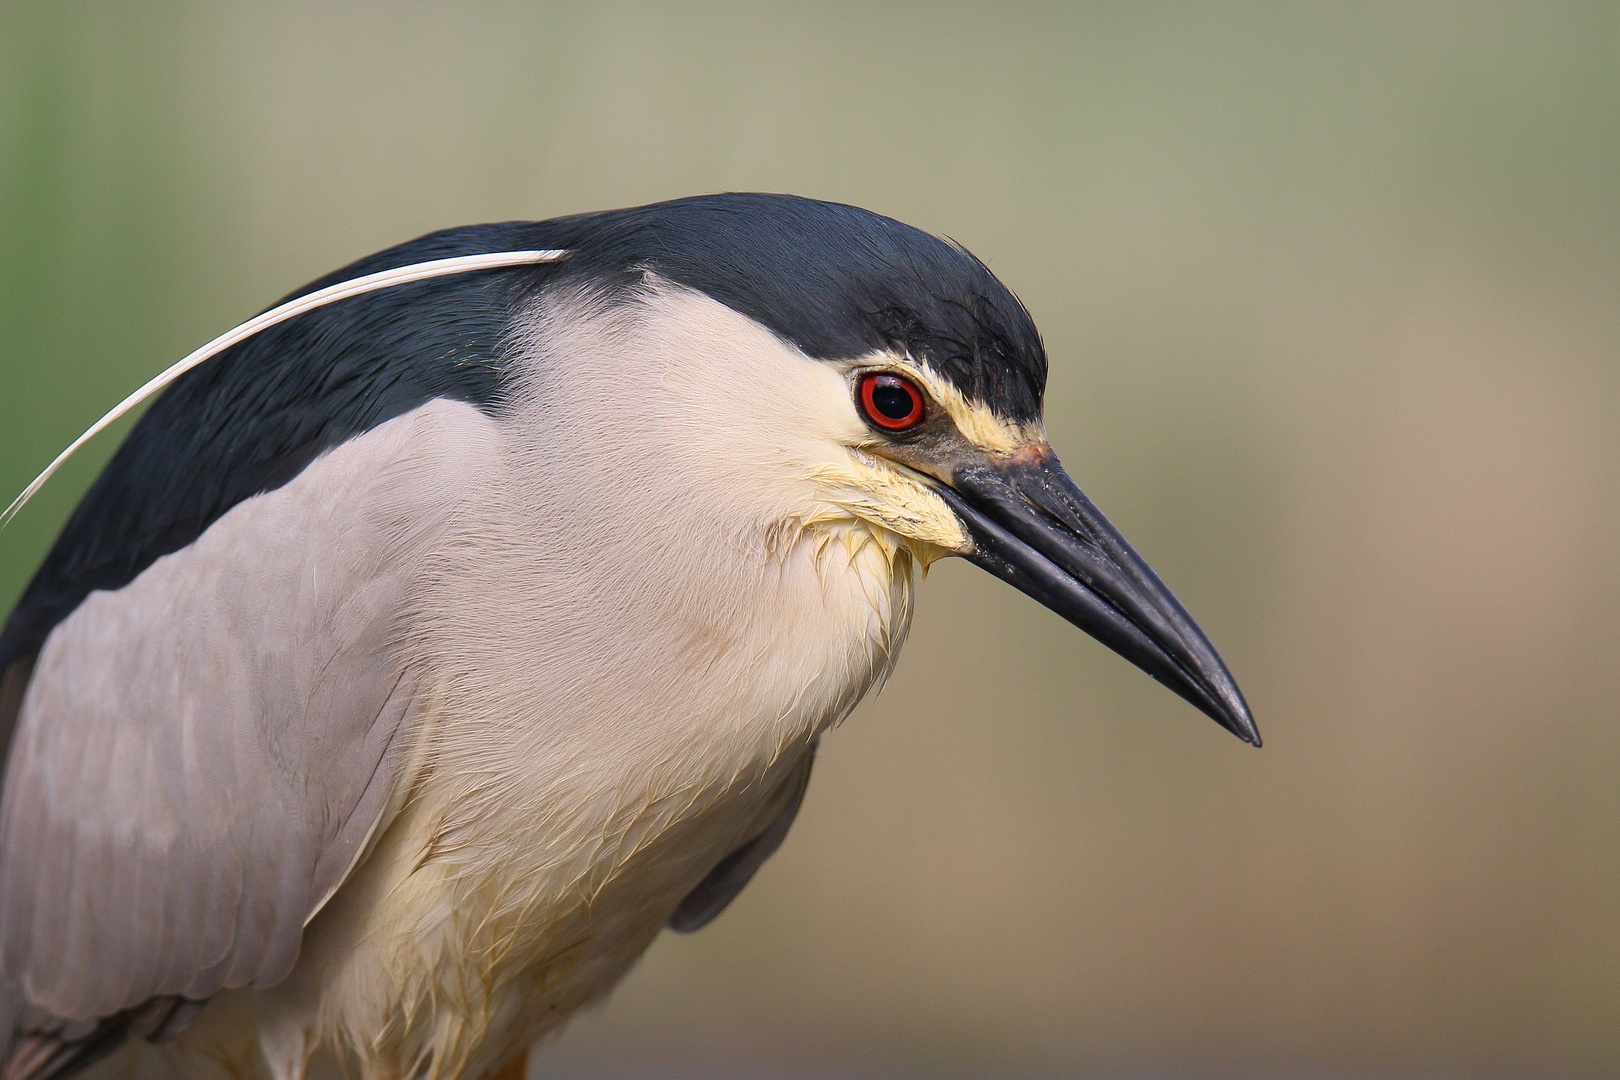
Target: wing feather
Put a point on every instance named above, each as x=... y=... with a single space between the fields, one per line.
x=732 y=874
x=201 y=756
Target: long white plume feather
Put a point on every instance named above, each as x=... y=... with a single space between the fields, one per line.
x=319 y=298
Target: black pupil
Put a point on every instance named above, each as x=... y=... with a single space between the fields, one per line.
x=892 y=400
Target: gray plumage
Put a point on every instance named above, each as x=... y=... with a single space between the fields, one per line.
x=205 y=752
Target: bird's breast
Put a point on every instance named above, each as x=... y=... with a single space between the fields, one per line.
x=592 y=714
x=591 y=744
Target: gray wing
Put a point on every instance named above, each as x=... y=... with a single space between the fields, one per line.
x=201 y=756
x=732 y=874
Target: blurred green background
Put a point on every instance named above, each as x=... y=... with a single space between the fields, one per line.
x=1332 y=294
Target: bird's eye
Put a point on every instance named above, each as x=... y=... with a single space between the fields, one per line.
x=890 y=402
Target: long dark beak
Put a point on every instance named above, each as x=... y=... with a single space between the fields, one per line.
x=1035 y=529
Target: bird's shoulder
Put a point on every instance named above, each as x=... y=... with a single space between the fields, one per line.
x=254 y=417
x=216 y=743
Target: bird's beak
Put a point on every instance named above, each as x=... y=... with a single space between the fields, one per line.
x=1034 y=528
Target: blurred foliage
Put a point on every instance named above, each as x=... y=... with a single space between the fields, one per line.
x=1331 y=295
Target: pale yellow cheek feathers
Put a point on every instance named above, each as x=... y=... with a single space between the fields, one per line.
x=877 y=493
x=885 y=496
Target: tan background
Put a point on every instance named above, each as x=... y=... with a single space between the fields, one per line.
x=1331 y=296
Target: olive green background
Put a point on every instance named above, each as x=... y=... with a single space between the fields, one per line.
x=1330 y=292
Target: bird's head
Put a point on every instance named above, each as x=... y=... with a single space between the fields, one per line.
x=892 y=378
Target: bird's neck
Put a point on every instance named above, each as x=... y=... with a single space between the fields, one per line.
x=661 y=659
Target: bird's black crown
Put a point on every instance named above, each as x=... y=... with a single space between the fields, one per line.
x=835 y=280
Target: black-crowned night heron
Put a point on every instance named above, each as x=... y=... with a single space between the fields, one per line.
x=443 y=634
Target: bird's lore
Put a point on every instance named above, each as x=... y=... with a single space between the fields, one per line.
x=428 y=647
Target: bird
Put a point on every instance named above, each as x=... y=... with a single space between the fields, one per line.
x=439 y=637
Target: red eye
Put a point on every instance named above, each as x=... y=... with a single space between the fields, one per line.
x=891 y=402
